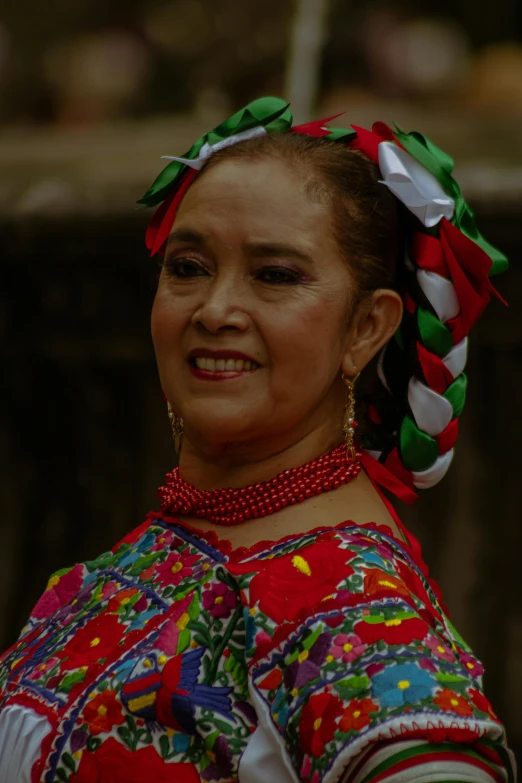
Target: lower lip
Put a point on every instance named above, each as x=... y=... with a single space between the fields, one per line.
x=223 y=375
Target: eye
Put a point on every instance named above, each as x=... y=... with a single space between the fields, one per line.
x=278 y=275
x=184 y=268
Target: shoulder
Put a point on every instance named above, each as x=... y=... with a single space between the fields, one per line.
x=350 y=645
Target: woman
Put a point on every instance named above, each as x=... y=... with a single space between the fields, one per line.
x=304 y=647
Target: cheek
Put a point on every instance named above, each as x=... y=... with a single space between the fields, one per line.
x=309 y=336
x=166 y=326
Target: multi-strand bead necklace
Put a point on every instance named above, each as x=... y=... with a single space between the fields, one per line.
x=234 y=506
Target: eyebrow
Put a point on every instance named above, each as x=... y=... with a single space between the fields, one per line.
x=252 y=249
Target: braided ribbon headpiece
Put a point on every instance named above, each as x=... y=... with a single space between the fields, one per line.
x=420 y=390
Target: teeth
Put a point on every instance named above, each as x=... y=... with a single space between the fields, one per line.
x=224 y=365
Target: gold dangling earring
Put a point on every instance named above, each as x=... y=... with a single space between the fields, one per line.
x=349 y=417
x=176 y=422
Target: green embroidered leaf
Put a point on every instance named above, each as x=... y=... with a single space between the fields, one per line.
x=143 y=563
x=450 y=678
x=194 y=610
x=71 y=679
x=224 y=727
x=312 y=638
x=209 y=741
x=93 y=743
x=183 y=641
x=125 y=735
x=69 y=761
x=61 y=773
x=164 y=746
x=354 y=682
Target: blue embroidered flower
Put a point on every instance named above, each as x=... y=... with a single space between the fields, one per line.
x=372 y=557
x=402 y=684
x=181 y=742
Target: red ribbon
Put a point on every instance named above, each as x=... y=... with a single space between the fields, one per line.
x=162 y=221
x=393 y=476
x=315 y=128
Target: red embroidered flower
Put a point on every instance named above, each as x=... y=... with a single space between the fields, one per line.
x=393 y=631
x=175 y=568
x=286 y=585
x=219 y=599
x=121 y=599
x=113 y=763
x=481 y=702
x=103 y=712
x=451 y=701
x=95 y=640
x=318 y=722
x=357 y=714
x=379 y=584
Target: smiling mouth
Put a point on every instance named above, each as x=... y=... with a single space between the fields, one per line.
x=222 y=365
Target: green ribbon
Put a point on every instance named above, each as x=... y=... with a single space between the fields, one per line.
x=456 y=394
x=418 y=449
x=440 y=164
x=271 y=113
x=435 y=336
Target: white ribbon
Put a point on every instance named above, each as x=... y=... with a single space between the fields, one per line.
x=424 y=479
x=455 y=360
x=431 y=411
x=440 y=293
x=207 y=149
x=414 y=185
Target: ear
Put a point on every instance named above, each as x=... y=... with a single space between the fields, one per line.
x=376 y=319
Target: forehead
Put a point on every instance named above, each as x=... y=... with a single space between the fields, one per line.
x=266 y=197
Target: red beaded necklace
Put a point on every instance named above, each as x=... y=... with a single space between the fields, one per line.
x=234 y=506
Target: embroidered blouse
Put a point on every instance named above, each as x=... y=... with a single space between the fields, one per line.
x=324 y=657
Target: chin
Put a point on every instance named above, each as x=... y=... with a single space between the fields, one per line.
x=223 y=425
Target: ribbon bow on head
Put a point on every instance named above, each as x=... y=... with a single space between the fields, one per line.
x=452 y=261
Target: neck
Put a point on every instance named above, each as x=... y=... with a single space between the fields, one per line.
x=206 y=468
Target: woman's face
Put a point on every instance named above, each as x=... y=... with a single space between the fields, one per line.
x=252 y=269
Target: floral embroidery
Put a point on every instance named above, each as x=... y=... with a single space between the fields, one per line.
x=319 y=722
x=347 y=647
x=103 y=712
x=357 y=714
x=399 y=685
x=147 y=653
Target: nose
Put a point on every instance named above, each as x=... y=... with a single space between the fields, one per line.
x=223 y=308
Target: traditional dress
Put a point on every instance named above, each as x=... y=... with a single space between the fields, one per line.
x=325 y=656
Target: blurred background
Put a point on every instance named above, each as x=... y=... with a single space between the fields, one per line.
x=91 y=94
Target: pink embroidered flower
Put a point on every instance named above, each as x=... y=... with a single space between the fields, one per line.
x=60 y=589
x=347 y=647
x=163 y=541
x=109 y=589
x=175 y=568
x=219 y=599
x=439 y=649
x=473 y=666
x=44 y=668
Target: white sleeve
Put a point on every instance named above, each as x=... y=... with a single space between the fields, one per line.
x=22 y=732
